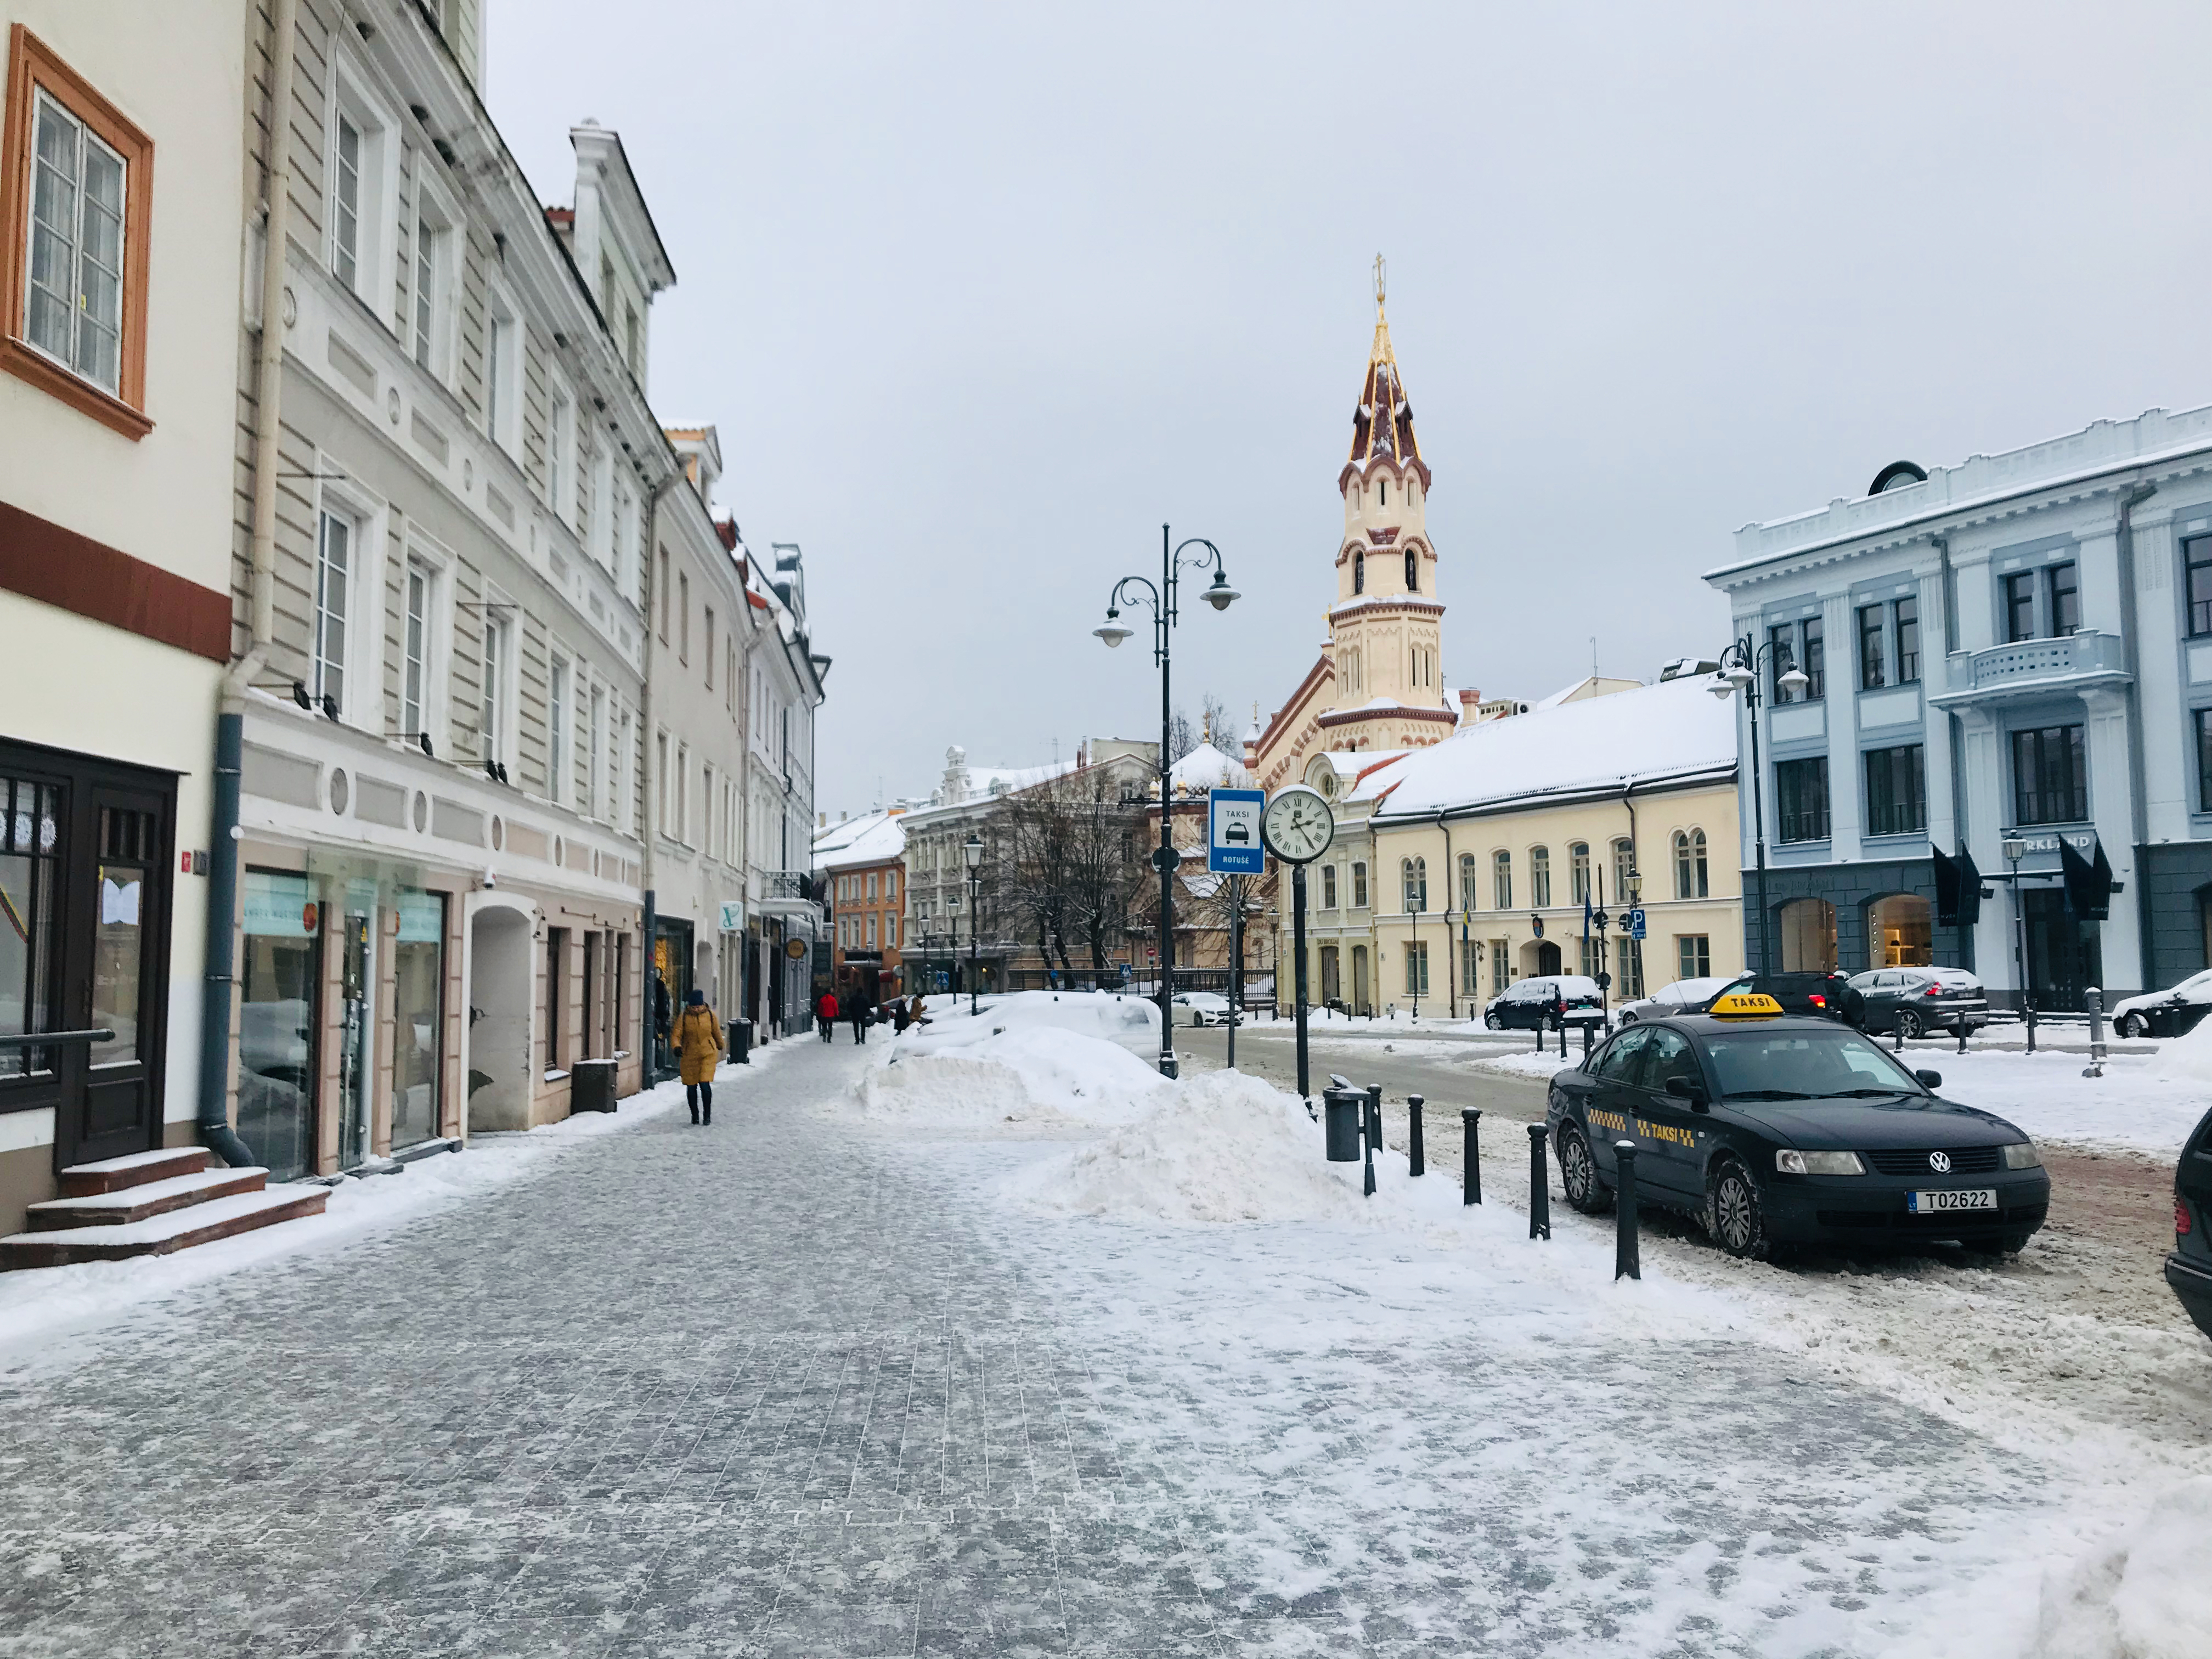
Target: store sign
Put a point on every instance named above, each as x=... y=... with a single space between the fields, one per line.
x=279 y=906
x=733 y=916
x=422 y=919
x=795 y=949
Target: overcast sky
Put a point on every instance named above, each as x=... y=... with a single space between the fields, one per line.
x=981 y=296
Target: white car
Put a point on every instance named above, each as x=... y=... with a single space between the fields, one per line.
x=1204 y=1007
x=2164 y=1013
x=1684 y=996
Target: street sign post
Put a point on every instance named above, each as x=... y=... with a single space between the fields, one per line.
x=1233 y=832
x=1635 y=922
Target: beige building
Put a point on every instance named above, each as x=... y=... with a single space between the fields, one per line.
x=122 y=189
x=1485 y=848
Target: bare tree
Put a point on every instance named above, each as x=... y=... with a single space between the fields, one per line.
x=1070 y=855
x=1213 y=718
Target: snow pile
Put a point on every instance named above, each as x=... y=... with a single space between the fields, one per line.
x=1035 y=1075
x=2188 y=1058
x=1225 y=1147
x=1105 y=1015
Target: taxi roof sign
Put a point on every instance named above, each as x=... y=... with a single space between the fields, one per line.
x=1746 y=1004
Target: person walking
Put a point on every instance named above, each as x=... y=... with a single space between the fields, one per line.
x=899 y=1019
x=698 y=1038
x=825 y=1014
x=860 y=1014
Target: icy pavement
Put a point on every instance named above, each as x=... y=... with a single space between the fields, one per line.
x=801 y=1383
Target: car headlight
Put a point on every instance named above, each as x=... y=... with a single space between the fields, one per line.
x=2022 y=1155
x=1790 y=1161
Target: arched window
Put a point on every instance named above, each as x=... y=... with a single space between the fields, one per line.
x=1578 y=872
x=1469 y=899
x=1690 y=878
x=1415 y=874
x=1501 y=878
x=1900 y=932
x=1412 y=572
x=1540 y=876
x=1358 y=571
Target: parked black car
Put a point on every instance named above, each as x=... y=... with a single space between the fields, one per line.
x=2189 y=1269
x=1829 y=996
x=1771 y=1131
x=2170 y=1013
x=1543 y=1004
x=1918 y=1000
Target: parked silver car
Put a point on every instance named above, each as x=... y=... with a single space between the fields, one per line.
x=1914 y=1001
x=1684 y=996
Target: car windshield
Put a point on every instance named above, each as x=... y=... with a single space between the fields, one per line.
x=1767 y=1064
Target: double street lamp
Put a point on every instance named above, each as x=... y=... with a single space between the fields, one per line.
x=1740 y=666
x=973 y=846
x=1161 y=599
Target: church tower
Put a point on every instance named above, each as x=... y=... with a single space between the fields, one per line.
x=1386 y=627
x=1378 y=684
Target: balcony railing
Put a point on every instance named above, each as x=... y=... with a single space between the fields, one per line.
x=2087 y=657
x=1802 y=826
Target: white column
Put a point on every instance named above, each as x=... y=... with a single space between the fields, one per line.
x=1844 y=817
x=2097 y=570
x=2110 y=810
x=1981 y=764
x=2169 y=745
x=1936 y=723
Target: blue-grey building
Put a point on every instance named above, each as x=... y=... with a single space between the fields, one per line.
x=2013 y=654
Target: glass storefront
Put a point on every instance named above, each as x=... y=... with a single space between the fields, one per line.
x=278 y=1022
x=357 y=990
x=30 y=866
x=418 y=1007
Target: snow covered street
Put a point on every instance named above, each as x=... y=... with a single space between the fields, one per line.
x=979 y=1353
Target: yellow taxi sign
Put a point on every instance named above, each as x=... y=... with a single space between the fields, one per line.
x=1746 y=1004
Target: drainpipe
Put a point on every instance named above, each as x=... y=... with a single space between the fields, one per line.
x=1451 y=963
x=2138 y=818
x=218 y=993
x=649 y=918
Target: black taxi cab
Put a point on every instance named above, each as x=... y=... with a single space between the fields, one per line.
x=1774 y=1130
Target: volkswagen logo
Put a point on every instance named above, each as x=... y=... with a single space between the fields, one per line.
x=1940 y=1162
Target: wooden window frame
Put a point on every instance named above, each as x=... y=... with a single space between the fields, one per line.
x=32 y=66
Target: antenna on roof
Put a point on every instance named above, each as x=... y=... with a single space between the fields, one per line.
x=1593 y=656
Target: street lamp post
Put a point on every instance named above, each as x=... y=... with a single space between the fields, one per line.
x=1740 y=672
x=973 y=846
x=1161 y=599
x=2014 y=849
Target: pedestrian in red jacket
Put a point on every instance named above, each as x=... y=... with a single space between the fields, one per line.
x=825 y=1014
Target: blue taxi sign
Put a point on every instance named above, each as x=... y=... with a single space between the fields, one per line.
x=1233 y=846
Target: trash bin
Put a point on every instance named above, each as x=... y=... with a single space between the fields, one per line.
x=1343 y=1110
x=740 y=1035
x=591 y=1086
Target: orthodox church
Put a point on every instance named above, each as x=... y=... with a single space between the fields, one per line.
x=1377 y=687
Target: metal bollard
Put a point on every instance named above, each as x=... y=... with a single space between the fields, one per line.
x=1540 y=1186
x=1420 y=1164
x=2031 y=1025
x=1371 y=1168
x=1587 y=1040
x=2096 y=1066
x=1962 y=1035
x=1563 y=1038
x=1375 y=1115
x=1624 y=1211
x=1899 y=1027
x=1470 y=1125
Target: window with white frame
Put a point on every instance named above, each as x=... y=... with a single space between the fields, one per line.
x=558 y=760
x=431 y=279
x=595 y=763
x=334 y=567
x=561 y=453
x=602 y=535
x=661 y=792
x=683 y=794
x=503 y=375
x=496 y=704
x=358 y=180
x=415 y=646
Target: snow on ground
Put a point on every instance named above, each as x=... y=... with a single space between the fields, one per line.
x=37 y=1303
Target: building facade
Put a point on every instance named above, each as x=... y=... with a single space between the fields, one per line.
x=114 y=546
x=2013 y=652
x=787 y=946
x=859 y=868
x=445 y=462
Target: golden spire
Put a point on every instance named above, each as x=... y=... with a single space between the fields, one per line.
x=1381 y=352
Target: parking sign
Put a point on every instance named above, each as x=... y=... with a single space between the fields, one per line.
x=1233 y=832
x=1635 y=921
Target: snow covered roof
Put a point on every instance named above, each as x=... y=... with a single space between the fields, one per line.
x=1376 y=773
x=1207 y=768
x=1675 y=729
x=1591 y=685
x=872 y=838
x=1005 y=780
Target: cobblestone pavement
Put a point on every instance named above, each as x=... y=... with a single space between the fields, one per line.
x=778 y=1387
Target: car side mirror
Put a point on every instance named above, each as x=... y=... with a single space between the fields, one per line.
x=1682 y=1088
x=1929 y=1079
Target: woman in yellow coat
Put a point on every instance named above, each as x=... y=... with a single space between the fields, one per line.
x=698 y=1039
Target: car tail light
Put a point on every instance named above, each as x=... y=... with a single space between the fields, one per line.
x=1933 y=991
x=1818 y=1001
x=2182 y=1224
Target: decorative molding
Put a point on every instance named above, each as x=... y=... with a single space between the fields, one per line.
x=43 y=560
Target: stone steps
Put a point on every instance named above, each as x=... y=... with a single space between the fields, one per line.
x=126 y=1205
x=151 y=1204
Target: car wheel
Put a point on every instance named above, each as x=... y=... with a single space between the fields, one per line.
x=1490 y=1022
x=1908 y=1024
x=1197 y=1020
x=2128 y=1025
x=1628 y=1017
x=1578 y=1173
x=1734 y=1215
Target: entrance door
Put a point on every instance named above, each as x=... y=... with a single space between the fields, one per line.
x=357 y=980
x=2064 y=955
x=84 y=945
x=1547 y=959
x=1360 y=1001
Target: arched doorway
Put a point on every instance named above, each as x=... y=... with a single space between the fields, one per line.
x=1808 y=936
x=1900 y=931
x=501 y=983
x=1548 y=958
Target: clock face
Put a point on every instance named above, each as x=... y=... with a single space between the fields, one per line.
x=1298 y=825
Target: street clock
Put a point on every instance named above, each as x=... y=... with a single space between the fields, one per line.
x=1298 y=825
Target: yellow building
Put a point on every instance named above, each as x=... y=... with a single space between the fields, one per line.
x=1482 y=851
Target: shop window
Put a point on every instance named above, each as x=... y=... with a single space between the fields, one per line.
x=1808 y=936
x=1901 y=932
x=419 y=1010
x=30 y=871
x=280 y=998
